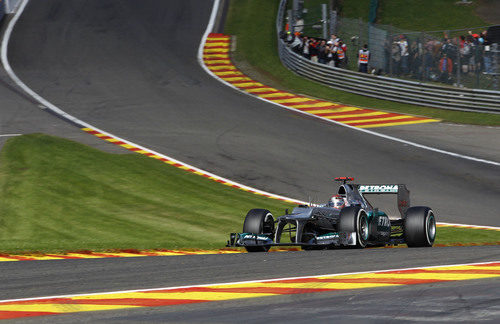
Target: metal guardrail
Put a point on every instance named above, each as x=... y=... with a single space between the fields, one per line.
x=474 y=100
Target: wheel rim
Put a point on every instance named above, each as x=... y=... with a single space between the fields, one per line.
x=363 y=228
x=268 y=225
x=431 y=227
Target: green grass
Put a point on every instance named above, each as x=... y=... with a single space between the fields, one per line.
x=421 y=15
x=452 y=235
x=253 y=22
x=417 y=15
x=58 y=195
x=355 y=9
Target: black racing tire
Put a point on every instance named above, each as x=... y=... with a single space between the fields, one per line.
x=258 y=221
x=355 y=219
x=419 y=227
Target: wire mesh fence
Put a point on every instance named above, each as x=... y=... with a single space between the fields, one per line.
x=460 y=58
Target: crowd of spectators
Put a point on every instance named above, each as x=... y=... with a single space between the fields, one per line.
x=439 y=60
x=332 y=51
x=421 y=57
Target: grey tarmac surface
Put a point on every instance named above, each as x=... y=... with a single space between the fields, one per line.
x=19 y=115
x=477 y=141
x=130 y=68
x=458 y=301
x=60 y=277
x=473 y=301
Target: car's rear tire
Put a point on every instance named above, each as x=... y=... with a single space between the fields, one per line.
x=419 y=227
x=258 y=221
x=355 y=219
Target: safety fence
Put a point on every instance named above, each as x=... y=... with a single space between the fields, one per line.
x=422 y=91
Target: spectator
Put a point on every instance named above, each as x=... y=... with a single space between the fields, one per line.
x=331 y=55
x=344 y=48
x=465 y=54
x=449 y=49
x=322 y=52
x=313 y=49
x=296 y=45
x=396 y=59
x=416 y=56
x=404 y=54
x=334 y=39
x=305 y=48
x=473 y=49
x=445 y=69
x=429 y=61
x=487 y=55
x=341 y=56
x=363 y=58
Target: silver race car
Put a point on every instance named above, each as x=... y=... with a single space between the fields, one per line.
x=347 y=219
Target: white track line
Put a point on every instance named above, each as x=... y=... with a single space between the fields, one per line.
x=10 y=135
x=425 y=147
x=469 y=226
x=83 y=124
x=245 y=282
x=44 y=102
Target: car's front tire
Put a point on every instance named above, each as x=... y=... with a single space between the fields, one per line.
x=354 y=219
x=258 y=221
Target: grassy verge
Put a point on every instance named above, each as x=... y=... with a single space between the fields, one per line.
x=58 y=195
x=253 y=22
x=416 y=15
x=452 y=235
x=428 y=15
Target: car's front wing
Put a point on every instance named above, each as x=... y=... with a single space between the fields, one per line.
x=330 y=239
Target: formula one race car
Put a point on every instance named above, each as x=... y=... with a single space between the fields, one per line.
x=348 y=219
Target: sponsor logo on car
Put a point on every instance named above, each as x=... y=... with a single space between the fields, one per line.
x=379 y=188
x=384 y=222
x=253 y=237
x=328 y=237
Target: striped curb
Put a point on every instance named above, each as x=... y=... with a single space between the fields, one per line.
x=216 y=58
x=249 y=89
x=186 y=167
x=20 y=308
x=137 y=253
x=112 y=254
x=4 y=257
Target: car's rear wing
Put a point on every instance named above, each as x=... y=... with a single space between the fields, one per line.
x=399 y=189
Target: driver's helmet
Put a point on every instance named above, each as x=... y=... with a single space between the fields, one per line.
x=338 y=202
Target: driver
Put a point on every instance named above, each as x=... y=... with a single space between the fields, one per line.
x=338 y=202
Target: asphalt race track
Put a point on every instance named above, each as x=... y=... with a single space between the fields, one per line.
x=130 y=68
x=448 y=303
x=59 y=277
x=44 y=278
